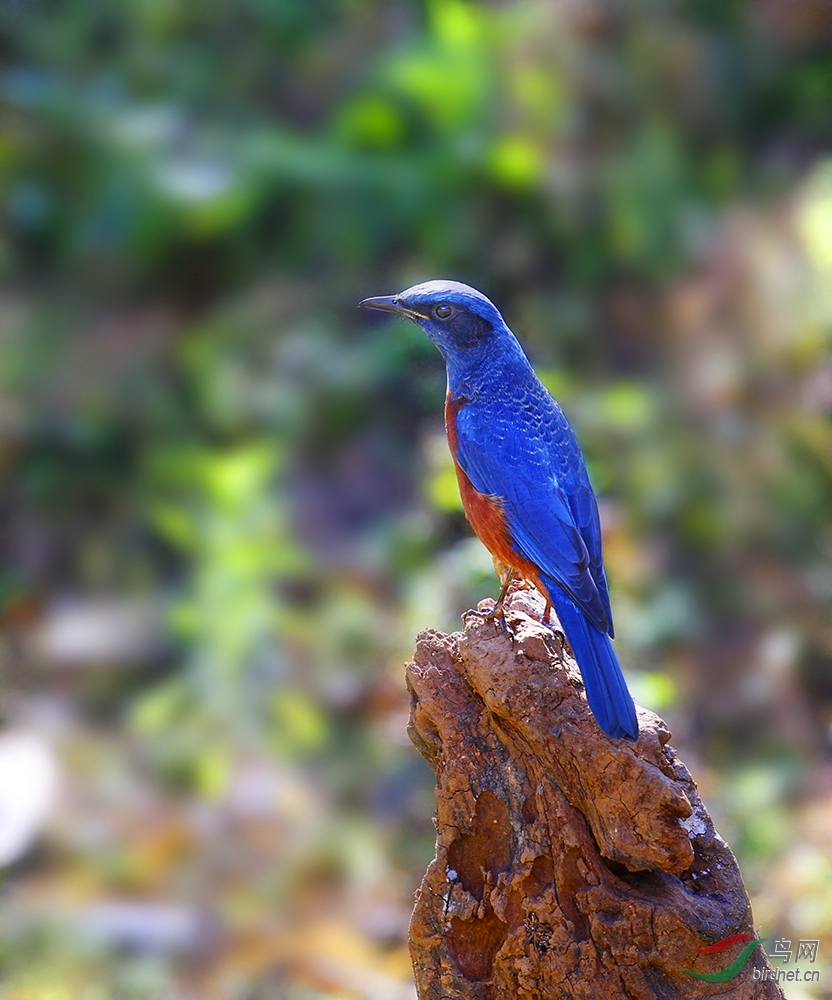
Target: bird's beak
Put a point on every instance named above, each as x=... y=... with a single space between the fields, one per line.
x=387 y=303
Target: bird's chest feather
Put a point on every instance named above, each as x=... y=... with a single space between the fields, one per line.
x=485 y=511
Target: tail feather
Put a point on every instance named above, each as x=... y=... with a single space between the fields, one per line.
x=606 y=690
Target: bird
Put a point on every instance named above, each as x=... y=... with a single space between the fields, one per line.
x=523 y=480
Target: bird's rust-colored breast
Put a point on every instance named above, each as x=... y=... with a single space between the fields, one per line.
x=485 y=512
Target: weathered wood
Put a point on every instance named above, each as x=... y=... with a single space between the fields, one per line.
x=568 y=865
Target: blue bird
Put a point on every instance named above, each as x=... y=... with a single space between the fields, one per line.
x=523 y=480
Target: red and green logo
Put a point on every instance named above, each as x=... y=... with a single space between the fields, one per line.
x=735 y=968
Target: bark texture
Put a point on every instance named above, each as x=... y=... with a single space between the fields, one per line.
x=568 y=865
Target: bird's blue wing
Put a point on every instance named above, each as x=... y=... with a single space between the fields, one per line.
x=502 y=458
x=574 y=481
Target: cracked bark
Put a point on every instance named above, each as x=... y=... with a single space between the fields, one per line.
x=568 y=865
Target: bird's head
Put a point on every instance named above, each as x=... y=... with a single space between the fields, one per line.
x=461 y=321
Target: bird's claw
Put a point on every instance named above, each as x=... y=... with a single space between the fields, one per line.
x=497 y=613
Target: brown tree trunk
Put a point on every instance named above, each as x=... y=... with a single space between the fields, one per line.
x=567 y=864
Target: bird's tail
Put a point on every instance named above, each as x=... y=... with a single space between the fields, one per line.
x=606 y=690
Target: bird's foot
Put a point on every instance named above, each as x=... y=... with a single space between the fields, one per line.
x=498 y=613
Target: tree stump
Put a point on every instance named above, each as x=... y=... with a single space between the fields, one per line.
x=568 y=864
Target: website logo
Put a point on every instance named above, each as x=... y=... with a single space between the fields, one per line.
x=782 y=953
x=735 y=968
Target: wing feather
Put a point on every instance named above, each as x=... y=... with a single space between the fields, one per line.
x=553 y=519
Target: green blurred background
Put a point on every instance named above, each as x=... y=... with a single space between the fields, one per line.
x=226 y=503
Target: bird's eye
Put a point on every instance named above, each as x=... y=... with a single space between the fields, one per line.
x=443 y=311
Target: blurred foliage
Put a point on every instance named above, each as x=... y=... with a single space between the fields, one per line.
x=227 y=504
